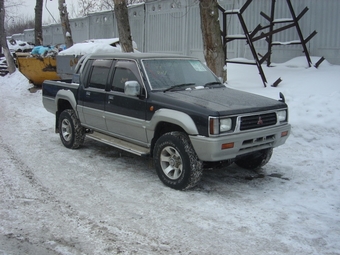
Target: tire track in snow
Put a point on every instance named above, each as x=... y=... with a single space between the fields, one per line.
x=46 y=194
x=107 y=239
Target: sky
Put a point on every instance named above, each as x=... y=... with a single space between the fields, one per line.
x=26 y=10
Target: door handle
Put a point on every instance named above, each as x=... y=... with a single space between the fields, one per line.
x=110 y=99
x=88 y=93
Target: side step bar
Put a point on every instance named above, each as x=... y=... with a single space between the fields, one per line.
x=120 y=144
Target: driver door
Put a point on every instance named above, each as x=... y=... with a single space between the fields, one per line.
x=125 y=115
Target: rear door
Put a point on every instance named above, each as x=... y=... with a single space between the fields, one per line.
x=125 y=115
x=93 y=95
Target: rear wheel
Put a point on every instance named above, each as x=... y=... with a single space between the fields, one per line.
x=176 y=162
x=72 y=134
x=256 y=160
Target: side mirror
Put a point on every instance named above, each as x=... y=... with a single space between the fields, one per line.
x=282 y=98
x=132 y=88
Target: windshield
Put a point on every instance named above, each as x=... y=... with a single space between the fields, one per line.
x=164 y=74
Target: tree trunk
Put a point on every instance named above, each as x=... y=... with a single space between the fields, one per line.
x=38 y=34
x=65 y=23
x=212 y=37
x=122 y=17
x=3 y=41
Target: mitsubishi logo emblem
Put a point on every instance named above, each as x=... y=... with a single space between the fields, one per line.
x=260 y=121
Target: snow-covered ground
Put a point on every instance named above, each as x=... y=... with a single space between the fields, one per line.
x=99 y=200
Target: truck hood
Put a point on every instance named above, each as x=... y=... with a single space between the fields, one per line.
x=225 y=101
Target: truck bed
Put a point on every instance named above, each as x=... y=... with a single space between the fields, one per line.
x=50 y=90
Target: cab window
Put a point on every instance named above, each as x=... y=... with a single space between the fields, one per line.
x=99 y=74
x=121 y=76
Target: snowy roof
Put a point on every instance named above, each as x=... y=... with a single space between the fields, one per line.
x=95 y=46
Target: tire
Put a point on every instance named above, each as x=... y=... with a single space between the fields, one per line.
x=176 y=162
x=71 y=133
x=256 y=160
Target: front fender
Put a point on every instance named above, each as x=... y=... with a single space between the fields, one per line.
x=175 y=117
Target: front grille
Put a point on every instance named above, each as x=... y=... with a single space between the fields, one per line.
x=258 y=121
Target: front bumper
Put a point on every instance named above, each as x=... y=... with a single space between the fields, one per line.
x=210 y=148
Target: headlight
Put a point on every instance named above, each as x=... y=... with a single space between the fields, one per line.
x=225 y=125
x=282 y=115
x=218 y=126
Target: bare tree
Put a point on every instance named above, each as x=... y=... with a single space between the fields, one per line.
x=212 y=37
x=11 y=15
x=123 y=25
x=87 y=6
x=135 y=1
x=18 y=25
x=65 y=23
x=38 y=33
x=3 y=41
x=107 y=4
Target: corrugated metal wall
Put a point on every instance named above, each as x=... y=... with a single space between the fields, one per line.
x=137 y=26
x=101 y=25
x=325 y=19
x=173 y=26
x=80 y=28
x=166 y=24
x=323 y=16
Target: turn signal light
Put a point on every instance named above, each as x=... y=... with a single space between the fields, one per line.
x=285 y=133
x=227 y=146
x=214 y=126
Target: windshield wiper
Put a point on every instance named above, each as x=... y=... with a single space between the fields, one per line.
x=212 y=83
x=178 y=86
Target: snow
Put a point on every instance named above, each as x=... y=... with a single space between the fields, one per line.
x=286 y=43
x=99 y=200
x=95 y=46
x=18 y=45
x=242 y=60
x=236 y=36
x=283 y=20
x=232 y=11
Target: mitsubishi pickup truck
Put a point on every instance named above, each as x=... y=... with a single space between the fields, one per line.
x=171 y=108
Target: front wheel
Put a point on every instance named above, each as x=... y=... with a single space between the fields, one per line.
x=255 y=160
x=176 y=162
x=72 y=134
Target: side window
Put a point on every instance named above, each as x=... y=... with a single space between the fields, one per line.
x=121 y=76
x=98 y=77
x=98 y=73
x=86 y=72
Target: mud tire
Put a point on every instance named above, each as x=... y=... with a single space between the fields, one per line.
x=71 y=133
x=256 y=160
x=176 y=162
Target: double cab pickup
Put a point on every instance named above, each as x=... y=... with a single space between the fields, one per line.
x=168 y=107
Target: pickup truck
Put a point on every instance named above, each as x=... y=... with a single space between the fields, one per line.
x=168 y=107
